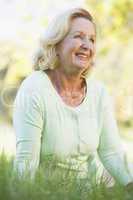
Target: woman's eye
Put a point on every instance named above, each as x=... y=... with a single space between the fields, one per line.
x=83 y=37
x=92 y=40
x=77 y=36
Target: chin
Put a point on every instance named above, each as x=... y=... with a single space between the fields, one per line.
x=82 y=66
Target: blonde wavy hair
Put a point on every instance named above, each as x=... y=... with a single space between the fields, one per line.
x=45 y=57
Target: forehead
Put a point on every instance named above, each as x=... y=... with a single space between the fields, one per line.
x=81 y=24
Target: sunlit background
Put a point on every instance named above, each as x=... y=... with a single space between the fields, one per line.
x=22 y=23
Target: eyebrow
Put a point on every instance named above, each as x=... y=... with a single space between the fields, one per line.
x=82 y=33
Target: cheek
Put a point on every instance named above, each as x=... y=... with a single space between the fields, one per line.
x=68 y=49
x=93 y=49
x=72 y=45
x=75 y=45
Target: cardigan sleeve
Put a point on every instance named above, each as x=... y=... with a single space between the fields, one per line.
x=110 y=148
x=28 y=119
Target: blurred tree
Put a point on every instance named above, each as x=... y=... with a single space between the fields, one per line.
x=114 y=52
x=14 y=67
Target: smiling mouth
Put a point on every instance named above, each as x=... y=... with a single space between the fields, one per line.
x=82 y=56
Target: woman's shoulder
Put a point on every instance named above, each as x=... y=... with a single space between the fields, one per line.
x=100 y=93
x=36 y=80
x=34 y=86
x=32 y=89
x=96 y=85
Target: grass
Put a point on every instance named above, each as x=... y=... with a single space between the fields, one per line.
x=53 y=183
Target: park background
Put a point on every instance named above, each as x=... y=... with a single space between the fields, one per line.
x=23 y=22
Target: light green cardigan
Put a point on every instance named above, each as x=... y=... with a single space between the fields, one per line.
x=45 y=125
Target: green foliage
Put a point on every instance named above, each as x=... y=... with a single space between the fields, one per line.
x=115 y=17
x=52 y=183
x=114 y=52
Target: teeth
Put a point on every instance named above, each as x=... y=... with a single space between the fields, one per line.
x=81 y=55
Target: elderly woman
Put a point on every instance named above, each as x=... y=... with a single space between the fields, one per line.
x=60 y=110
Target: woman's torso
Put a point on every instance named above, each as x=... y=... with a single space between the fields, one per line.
x=70 y=133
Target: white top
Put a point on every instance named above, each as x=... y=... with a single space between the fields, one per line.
x=45 y=125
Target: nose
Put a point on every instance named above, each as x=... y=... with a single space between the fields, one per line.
x=88 y=47
x=86 y=44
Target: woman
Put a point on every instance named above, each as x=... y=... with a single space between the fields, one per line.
x=59 y=110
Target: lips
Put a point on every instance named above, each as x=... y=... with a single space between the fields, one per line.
x=82 y=55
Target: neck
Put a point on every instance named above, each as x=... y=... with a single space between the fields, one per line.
x=66 y=82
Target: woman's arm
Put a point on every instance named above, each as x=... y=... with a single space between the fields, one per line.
x=110 y=149
x=28 y=119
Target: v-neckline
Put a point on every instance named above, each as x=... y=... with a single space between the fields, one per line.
x=61 y=100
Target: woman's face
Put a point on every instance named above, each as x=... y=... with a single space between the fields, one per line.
x=77 y=49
